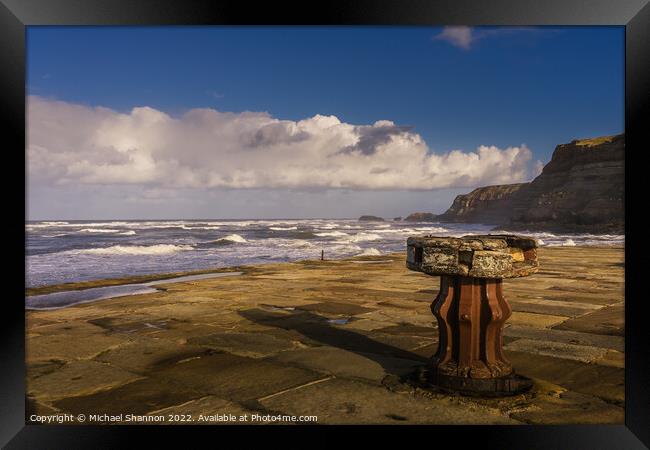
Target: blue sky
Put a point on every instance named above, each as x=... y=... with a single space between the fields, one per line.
x=537 y=87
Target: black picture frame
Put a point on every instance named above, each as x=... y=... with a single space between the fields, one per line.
x=15 y=15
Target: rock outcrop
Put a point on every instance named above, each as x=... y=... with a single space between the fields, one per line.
x=371 y=219
x=421 y=217
x=580 y=190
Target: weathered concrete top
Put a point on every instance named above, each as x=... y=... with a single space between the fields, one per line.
x=482 y=256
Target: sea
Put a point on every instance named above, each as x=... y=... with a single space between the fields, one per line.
x=68 y=251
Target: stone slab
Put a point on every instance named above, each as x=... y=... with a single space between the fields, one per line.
x=338 y=401
x=562 y=350
x=236 y=378
x=410 y=329
x=208 y=407
x=612 y=358
x=138 y=397
x=333 y=307
x=148 y=354
x=78 y=378
x=567 y=337
x=88 y=339
x=601 y=381
x=563 y=308
x=558 y=406
x=609 y=320
x=317 y=331
x=335 y=361
x=535 y=320
x=254 y=345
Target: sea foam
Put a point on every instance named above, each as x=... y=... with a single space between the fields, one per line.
x=98 y=230
x=332 y=234
x=159 y=249
x=362 y=237
x=232 y=238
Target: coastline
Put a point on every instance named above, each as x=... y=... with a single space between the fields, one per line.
x=311 y=336
x=121 y=281
x=246 y=269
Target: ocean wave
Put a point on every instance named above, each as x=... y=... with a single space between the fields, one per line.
x=370 y=252
x=158 y=249
x=394 y=231
x=565 y=243
x=235 y=238
x=596 y=242
x=32 y=226
x=332 y=234
x=74 y=225
x=235 y=224
x=127 y=233
x=295 y=243
x=282 y=228
x=431 y=230
x=362 y=237
x=328 y=226
x=212 y=227
x=298 y=234
x=98 y=230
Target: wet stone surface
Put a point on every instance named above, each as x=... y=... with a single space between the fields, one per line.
x=304 y=339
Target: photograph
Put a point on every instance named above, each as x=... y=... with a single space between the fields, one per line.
x=325 y=225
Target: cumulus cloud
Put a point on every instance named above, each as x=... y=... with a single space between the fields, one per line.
x=72 y=144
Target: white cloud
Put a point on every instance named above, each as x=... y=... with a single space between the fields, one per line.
x=460 y=36
x=71 y=144
x=537 y=168
x=465 y=37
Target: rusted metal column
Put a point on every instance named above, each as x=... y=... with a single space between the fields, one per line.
x=470 y=308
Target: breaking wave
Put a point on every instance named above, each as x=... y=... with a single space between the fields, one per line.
x=212 y=227
x=98 y=230
x=370 y=252
x=234 y=238
x=159 y=249
x=295 y=243
x=362 y=237
x=332 y=234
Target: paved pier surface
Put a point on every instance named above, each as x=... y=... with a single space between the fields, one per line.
x=333 y=339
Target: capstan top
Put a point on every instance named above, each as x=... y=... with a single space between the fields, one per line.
x=482 y=256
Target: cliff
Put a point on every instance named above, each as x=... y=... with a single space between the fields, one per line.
x=580 y=190
x=491 y=204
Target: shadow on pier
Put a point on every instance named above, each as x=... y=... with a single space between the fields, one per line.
x=320 y=330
